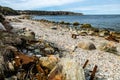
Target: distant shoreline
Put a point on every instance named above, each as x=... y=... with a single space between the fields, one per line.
x=36 y=12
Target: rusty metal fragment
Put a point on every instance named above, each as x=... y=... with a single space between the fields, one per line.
x=93 y=73
x=85 y=64
x=112 y=38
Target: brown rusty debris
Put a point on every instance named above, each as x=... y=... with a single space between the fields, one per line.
x=74 y=36
x=93 y=73
x=112 y=38
x=85 y=64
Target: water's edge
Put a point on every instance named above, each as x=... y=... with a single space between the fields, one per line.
x=99 y=21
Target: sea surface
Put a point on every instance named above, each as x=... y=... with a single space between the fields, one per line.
x=111 y=22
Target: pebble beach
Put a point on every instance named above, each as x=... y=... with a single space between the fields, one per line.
x=107 y=63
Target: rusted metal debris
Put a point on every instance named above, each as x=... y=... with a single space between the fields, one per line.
x=93 y=73
x=85 y=64
x=30 y=66
x=112 y=38
x=74 y=36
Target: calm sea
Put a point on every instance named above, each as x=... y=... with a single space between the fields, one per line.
x=99 y=21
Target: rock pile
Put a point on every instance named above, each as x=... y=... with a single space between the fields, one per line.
x=23 y=57
x=19 y=57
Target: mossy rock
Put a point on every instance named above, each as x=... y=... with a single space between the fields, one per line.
x=76 y=23
x=67 y=23
x=62 y=22
x=103 y=33
x=86 y=26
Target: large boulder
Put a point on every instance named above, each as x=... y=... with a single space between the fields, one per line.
x=86 y=45
x=67 y=69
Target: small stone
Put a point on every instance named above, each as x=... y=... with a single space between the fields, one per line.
x=103 y=33
x=37 y=51
x=54 y=28
x=49 y=50
x=11 y=67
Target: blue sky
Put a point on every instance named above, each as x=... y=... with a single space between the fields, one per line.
x=84 y=6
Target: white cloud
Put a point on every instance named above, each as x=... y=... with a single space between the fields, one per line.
x=99 y=8
x=31 y=4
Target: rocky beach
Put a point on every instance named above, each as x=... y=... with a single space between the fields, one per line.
x=44 y=50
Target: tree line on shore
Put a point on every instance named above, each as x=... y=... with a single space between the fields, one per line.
x=10 y=11
x=36 y=12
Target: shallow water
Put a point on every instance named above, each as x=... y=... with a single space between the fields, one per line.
x=100 y=21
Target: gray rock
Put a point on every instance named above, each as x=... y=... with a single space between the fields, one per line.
x=86 y=45
x=2 y=27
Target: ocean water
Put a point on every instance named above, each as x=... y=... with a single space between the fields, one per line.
x=99 y=21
